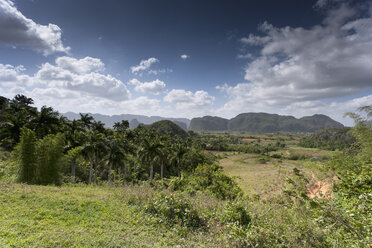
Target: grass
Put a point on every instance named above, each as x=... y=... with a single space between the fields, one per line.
x=266 y=179
x=255 y=178
x=86 y=216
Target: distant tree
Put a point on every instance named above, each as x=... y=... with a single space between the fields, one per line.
x=87 y=120
x=149 y=151
x=180 y=149
x=116 y=156
x=121 y=126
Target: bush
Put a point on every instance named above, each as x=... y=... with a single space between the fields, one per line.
x=50 y=159
x=235 y=213
x=174 y=209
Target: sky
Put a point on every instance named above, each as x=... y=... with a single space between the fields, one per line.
x=189 y=58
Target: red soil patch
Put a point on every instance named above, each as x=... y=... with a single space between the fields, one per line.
x=320 y=189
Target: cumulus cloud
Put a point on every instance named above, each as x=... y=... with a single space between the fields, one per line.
x=185 y=56
x=144 y=65
x=16 y=29
x=155 y=87
x=189 y=100
x=68 y=75
x=300 y=65
x=80 y=66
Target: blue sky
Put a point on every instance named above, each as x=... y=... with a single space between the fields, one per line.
x=188 y=58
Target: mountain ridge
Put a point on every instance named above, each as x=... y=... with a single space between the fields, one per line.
x=249 y=122
x=264 y=122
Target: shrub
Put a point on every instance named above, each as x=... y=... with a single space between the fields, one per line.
x=235 y=213
x=174 y=209
x=26 y=151
x=50 y=159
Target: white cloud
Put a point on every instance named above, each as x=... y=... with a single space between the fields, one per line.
x=68 y=75
x=245 y=56
x=188 y=100
x=156 y=72
x=67 y=90
x=155 y=87
x=298 y=66
x=80 y=66
x=144 y=65
x=16 y=29
x=184 y=56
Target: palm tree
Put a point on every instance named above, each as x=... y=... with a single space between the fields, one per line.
x=46 y=121
x=94 y=145
x=121 y=126
x=149 y=151
x=87 y=120
x=179 y=151
x=115 y=157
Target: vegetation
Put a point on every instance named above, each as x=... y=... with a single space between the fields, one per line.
x=264 y=123
x=329 y=139
x=168 y=127
x=209 y=123
x=78 y=184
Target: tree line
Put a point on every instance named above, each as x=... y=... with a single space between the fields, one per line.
x=50 y=149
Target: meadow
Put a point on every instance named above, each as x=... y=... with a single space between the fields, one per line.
x=78 y=184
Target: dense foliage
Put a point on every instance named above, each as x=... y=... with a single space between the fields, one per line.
x=52 y=149
x=329 y=139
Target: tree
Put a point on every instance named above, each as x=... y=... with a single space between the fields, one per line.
x=50 y=159
x=46 y=122
x=72 y=155
x=363 y=131
x=26 y=151
x=115 y=157
x=180 y=150
x=149 y=151
x=95 y=143
x=121 y=126
x=87 y=120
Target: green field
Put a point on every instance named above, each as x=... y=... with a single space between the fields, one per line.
x=84 y=216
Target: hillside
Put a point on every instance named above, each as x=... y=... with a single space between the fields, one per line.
x=167 y=127
x=263 y=122
x=210 y=123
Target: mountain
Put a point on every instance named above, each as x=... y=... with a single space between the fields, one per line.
x=134 y=123
x=110 y=120
x=263 y=122
x=210 y=123
x=249 y=122
x=167 y=127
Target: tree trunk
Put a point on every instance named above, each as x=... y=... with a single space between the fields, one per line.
x=161 y=170
x=90 y=170
x=73 y=170
x=151 y=171
x=95 y=167
x=109 y=174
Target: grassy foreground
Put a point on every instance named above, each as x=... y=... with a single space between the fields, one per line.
x=83 y=216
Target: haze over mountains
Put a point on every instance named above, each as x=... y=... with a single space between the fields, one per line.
x=249 y=122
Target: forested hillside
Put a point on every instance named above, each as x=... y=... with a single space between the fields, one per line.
x=263 y=122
